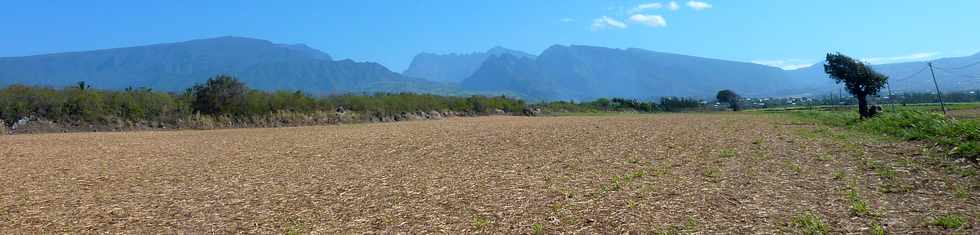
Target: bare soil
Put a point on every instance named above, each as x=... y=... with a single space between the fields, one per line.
x=711 y=173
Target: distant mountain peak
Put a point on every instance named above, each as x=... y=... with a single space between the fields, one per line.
x=454 y=67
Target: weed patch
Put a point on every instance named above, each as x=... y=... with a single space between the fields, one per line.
x=949 y=221
x=859 y=207
x=961 y=137
x=810 y=224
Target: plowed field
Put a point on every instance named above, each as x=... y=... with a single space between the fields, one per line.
x=713 y=173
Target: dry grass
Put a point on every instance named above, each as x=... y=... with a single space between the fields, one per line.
x=607 y=174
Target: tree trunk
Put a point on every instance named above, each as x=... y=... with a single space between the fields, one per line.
x=734 y=106
x=863 y=106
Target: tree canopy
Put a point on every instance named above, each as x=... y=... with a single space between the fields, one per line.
x=858 y=78
x=728 y=96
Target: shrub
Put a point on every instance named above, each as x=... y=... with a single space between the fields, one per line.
x=224 y=101
x=219 y=96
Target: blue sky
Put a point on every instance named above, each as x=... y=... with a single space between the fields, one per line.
x=783 y=33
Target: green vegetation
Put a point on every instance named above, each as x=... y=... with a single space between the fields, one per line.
x=221 y=96
x=537 y=229
x=859 y=207
x=666 y=104
x=839 y=174
x=961 y=192
x=877 y=229
x=727 y=153
x=810 y=224
x=961 y=137
x=479 y=223
x=949 y=221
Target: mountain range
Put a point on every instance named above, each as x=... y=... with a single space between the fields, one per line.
x=454 y=67
x=174 y=66
x=560 y=72
x=587 y=72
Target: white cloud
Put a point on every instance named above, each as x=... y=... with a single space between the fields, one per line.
x=566 y=20
x=697 y=5
x=606 y=22
x=646 y=6
x=787 y=64
x=902 y=58
x=673 y=6
x=649 y=20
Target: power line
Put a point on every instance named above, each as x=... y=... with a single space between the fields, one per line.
x=912 y=75
x=962 y=67
x=960 y=75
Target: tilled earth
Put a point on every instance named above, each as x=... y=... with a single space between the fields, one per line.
x=712 y=173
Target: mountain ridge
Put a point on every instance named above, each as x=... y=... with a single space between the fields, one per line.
x=560 y=72
x=453 y=67
x=174 y=66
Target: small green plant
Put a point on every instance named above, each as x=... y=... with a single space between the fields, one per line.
x=728 y=153
x=537 y=229
x=810 y=224
x=877 y=229
x=691 y=224
x=556 y=207
x=796 y=168
x=960 y=192
x=825 y=157
x=295 y=229
x=949 y=221
x=839 y=174
x=859 y=207
x=658 y=171
x=636 y=175
x=671 y=230
x=967 y=171
x=712 y=174
x=480 y=223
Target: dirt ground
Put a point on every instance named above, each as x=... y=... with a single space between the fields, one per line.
x=670 y=173
x=965 y=114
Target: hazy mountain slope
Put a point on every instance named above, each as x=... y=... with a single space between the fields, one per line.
x=174 y=66
x=585 y=72
x=454 y=67
x=518 y=75
x=953 y=74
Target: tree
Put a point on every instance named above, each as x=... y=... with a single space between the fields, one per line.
x=859 y=79
x=82 y=86
x=728 y=96
x=221 y=94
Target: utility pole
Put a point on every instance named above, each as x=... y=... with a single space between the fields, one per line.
x=938 y=92
x=891 y=98
x=840 y=94
x=831 y=98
